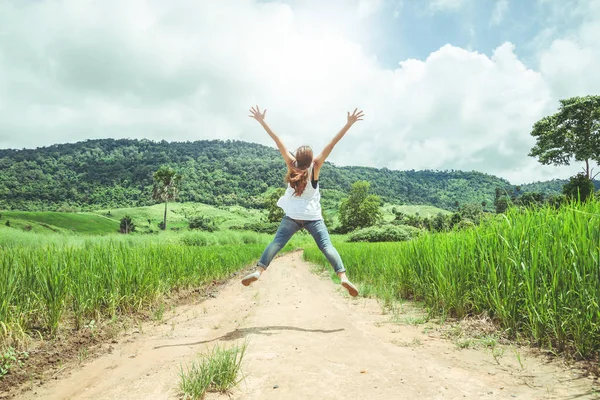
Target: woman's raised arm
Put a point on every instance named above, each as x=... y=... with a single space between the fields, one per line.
x=260 y=117
x=352 y=118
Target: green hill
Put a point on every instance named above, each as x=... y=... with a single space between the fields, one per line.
x=60 y=222
x=111 y=173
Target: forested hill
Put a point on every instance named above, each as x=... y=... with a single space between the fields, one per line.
x=117 y=173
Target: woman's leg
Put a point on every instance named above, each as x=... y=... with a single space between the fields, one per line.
x=319 y=232
x=287 y=228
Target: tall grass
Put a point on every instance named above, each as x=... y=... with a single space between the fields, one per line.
x=44 y=285
x=537 y=272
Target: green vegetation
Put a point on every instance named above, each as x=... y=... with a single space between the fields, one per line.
x=214 y=372
x=111 y=174
x=88 y=223
x=572 y=133
x=467 y=215
x=145 y=219
x=385 y=233
x=389 y=211
x=9 y=358
x=166 y=188
x=275 y=212
x=127 y=226
x=534 y=271
x=579 y=187
x=360 y=209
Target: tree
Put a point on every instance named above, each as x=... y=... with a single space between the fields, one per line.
x=360 y=209
x=573 y=132
x=530 y=199
x=275 y=212
x=440 y=223
x=472 y=212
x=166 y=187
x=502 y=204
x=501 y=201
x=127 y=226
x=579 y=187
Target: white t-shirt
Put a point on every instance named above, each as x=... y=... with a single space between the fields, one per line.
x=307 y=206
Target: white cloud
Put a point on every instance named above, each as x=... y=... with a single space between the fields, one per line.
x=446 y=5
x=367 y=8
x=189 y=70
x=500 y=9
x=570 y=64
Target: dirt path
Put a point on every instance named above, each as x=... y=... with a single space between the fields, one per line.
x=309 y=340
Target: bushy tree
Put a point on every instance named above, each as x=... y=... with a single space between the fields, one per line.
x=202 y=223
x=501 y=201
x=275 y=212
x=385 y=233
x=579 y=187
x=440 y=223
x=530 y=199
x=360 y=209
x=572 y=133
x=471 y=212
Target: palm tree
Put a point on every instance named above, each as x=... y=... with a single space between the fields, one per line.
x=166 y=187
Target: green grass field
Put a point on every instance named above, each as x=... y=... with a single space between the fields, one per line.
x=61 y=222
x=104 y=222
x=178 y=214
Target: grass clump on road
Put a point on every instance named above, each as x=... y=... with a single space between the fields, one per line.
x=217 y=371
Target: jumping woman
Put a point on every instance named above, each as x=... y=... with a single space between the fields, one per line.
x=302 y=201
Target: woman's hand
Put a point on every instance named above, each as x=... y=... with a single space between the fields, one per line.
x=257 y=115
x=260 y=117
x=356 y=116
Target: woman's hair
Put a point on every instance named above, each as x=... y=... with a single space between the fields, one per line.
x=297 y=175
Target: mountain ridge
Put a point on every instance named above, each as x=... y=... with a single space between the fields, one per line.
x=118 y=172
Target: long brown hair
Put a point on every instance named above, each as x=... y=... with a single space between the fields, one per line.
x=297 y=175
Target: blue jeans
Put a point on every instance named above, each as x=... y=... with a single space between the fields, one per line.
x=317 y=229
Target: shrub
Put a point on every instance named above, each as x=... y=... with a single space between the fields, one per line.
x=464 y=224
x=385 y=233
x=259 y=227
x=203 y=223
x=195 y=240
x=579 y=187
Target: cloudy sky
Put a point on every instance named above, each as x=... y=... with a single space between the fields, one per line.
x=444 y=84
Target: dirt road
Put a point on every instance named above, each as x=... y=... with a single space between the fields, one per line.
x=310 y=340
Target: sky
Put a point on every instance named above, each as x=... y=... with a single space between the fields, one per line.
x=444 y=84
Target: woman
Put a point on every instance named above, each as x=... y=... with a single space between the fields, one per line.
x=302 y=201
